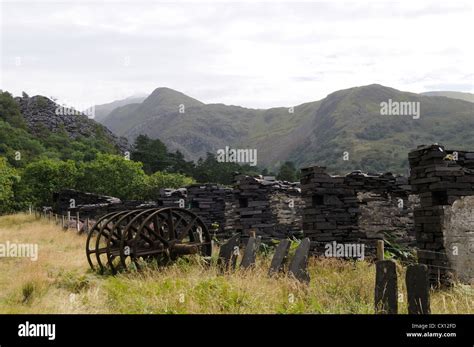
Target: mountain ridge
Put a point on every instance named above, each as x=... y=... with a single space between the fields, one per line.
x=347 y=120
x=453 y=95
x=103 y=110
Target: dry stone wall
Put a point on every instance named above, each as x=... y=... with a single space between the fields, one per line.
x=355 y=209
x=271 y=208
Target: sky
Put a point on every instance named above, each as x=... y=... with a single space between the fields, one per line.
x=253 y=54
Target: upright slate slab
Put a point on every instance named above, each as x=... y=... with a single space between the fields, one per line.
x=250 y=253
x=386 y=296
x=279 y=257
x=418 y=289
x=299 y=264
x=228 y=254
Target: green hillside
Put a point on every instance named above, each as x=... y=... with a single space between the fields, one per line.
x=454 y=95
x=102 y=111
x=317 y=132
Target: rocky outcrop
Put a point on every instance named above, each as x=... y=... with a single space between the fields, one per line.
x=41 y=113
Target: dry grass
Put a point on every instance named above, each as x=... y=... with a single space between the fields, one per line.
x=60 y=282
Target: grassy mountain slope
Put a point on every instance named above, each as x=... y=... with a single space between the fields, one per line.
x=350 y=120
x=317 y=132
x=454 y=95
x=161 y=102
x=103 y=110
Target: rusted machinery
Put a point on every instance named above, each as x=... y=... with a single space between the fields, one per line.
x=127 y=239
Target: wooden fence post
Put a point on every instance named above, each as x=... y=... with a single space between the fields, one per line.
x=380 y=250
x=386 y=292
x=78 y=228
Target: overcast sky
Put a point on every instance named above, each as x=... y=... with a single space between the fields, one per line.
x=242 y=53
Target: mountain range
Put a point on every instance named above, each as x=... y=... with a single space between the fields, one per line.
x=454 y=95
x=103 y=110
x=344 y=131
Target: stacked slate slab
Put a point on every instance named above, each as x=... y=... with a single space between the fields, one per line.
x=271 y=208
x=66 y=199
x=91 y=205
x=169 y=197
x=209 y=201
x=355 y=208
x=94 y=211
x=445 y=187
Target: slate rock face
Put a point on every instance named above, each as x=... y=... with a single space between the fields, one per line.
x=42 y=113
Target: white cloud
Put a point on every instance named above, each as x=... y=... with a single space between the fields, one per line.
x=254 y=55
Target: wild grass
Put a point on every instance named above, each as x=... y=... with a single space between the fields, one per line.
x=60 y=282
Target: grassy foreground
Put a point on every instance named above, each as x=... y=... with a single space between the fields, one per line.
x=60 y=282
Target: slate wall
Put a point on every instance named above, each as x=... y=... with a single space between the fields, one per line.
x=356 y=208
x=269 y=207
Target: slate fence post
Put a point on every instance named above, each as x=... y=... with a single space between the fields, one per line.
x=386 y=292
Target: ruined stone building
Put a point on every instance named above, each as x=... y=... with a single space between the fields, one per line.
x=434 y=213
x=271 y=208
x=444 y=223
x=356 y=208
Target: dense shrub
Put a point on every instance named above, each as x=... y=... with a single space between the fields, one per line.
x=8 y=177
x=40 y=179
x=113 y=175
x=165 y=180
